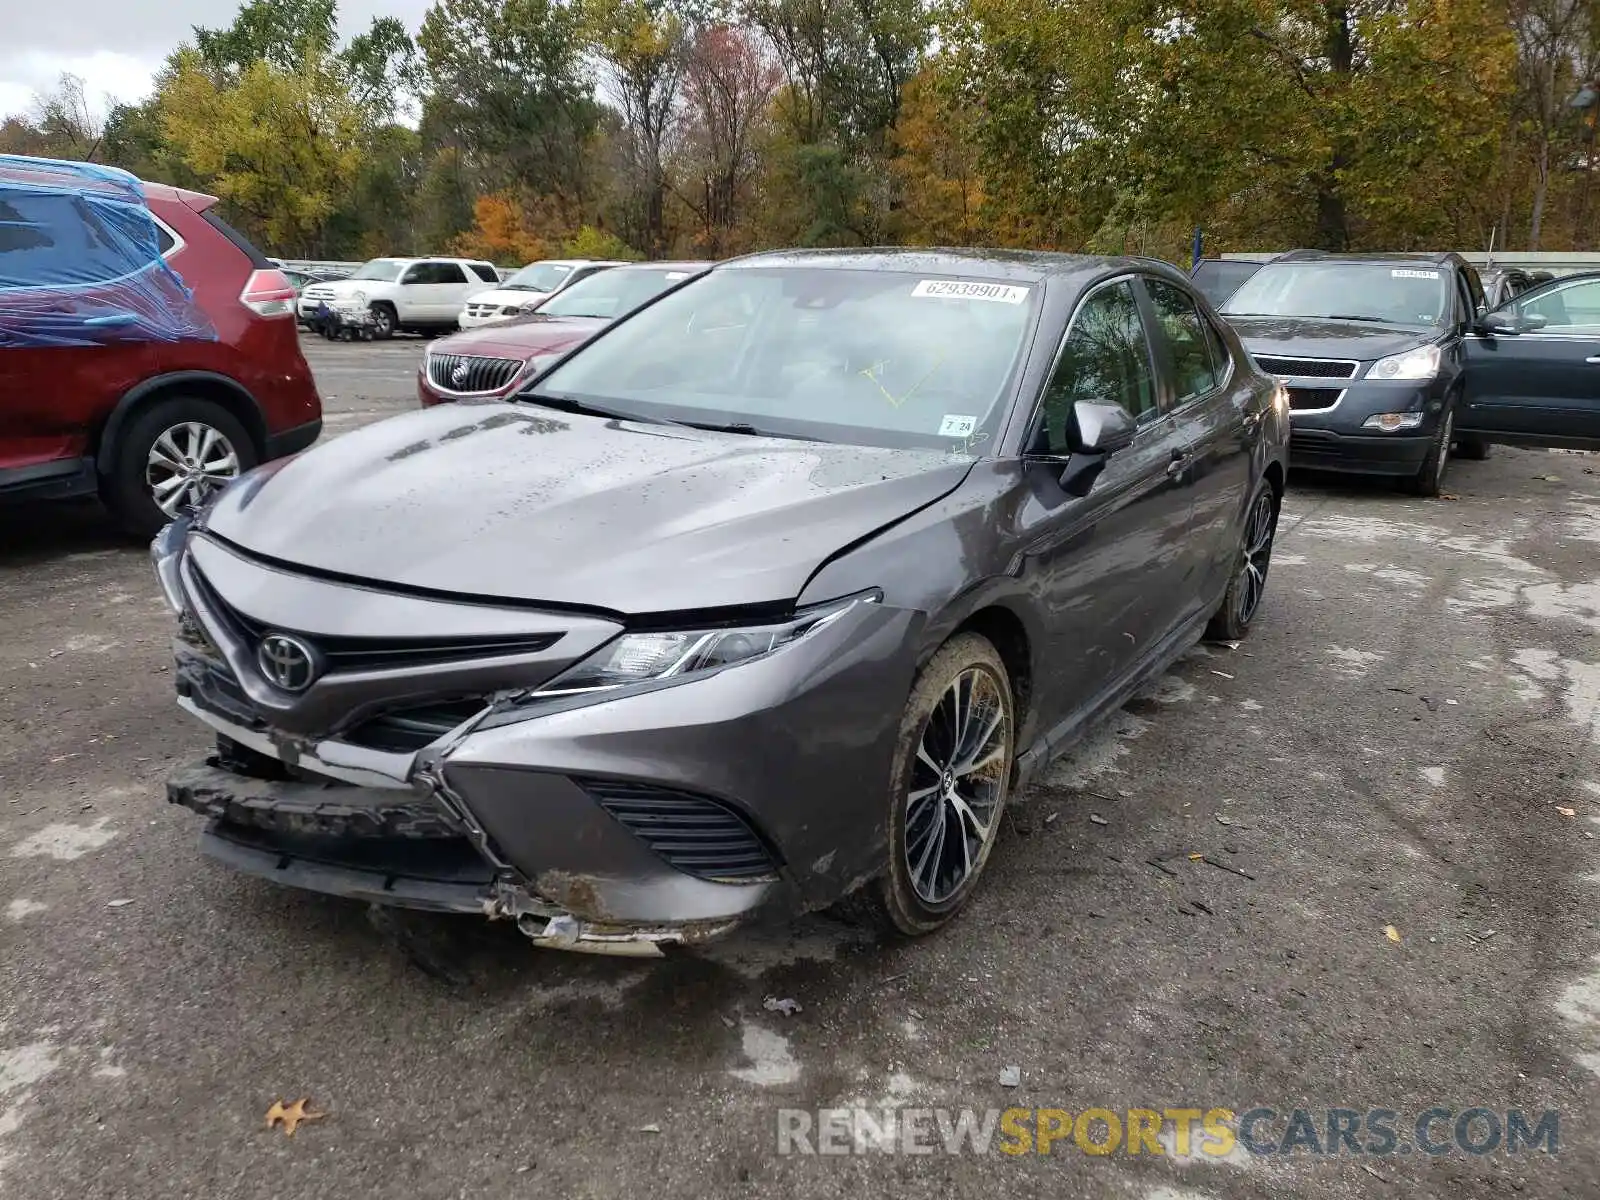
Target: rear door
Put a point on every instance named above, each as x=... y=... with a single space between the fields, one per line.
x=69 y=344
x=1219 y=417
x=1541 y=387
x=1112 y=563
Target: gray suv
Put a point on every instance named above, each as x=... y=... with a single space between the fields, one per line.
x=771 y=593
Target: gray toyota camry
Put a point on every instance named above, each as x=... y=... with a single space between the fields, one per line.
x=767 y=597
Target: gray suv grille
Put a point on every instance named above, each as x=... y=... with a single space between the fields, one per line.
x=466 y=374
x=1307 y=368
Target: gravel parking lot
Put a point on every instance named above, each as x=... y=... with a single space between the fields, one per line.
x=1190 y=913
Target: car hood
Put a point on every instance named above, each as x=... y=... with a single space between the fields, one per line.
x=1308 y=337
x=521 y=337
x=496 y=295
x=512 y=501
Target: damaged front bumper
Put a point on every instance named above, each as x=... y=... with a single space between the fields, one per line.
x=431 y=775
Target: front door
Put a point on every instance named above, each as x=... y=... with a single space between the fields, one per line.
x=1541 y=387
x=1109 y=566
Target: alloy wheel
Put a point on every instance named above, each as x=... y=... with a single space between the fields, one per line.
x=187 y=463
x=957 y=785
x=1258 y=531
x=382 y=321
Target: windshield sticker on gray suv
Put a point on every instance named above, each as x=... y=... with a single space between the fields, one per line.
x=1405 y=273
x=961 y=289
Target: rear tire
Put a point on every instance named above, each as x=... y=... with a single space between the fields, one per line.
x=1242 y=602
x=183 y=447
x=951 y=776
x=384 y=321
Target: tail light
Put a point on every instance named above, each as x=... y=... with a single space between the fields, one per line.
x=268 y=294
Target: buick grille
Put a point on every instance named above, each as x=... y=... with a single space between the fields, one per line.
x=466 y=374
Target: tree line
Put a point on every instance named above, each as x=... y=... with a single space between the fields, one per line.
x=519 y=129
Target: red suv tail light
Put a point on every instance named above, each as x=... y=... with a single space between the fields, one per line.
x=268 y=294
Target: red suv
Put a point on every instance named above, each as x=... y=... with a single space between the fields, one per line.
x=148 y=352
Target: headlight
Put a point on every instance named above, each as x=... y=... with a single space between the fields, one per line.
x=637 y=658
x=513 y=310
x=166 y=554
x=1421 y=363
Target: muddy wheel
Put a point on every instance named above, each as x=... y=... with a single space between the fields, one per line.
x=1429 y=480
x=948 y=789
x=1239 y=607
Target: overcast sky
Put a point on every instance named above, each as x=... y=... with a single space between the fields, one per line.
x=116 y=45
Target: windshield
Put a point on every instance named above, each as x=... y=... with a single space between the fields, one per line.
x=611 y=293
x=1384 y=292
x=385 y=269
x=872 y=358
x=538 y=277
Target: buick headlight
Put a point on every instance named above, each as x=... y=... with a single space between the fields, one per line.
x=636 y=658
x=1421 y=363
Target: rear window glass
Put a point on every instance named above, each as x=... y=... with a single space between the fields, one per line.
x=486 y=273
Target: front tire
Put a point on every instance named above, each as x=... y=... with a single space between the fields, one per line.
x=1248 y=585
x=384 y=321
x=948 y=788
x=171 y=456
x=1429 y=480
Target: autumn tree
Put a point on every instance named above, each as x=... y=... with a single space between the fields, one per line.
x=729 y=84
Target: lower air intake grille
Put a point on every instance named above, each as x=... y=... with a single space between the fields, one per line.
x=1301 y=399
x=697 y=835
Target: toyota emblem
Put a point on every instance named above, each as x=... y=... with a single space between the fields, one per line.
x=287 y=662
x=459 y=375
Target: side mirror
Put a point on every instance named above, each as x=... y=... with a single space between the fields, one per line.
x=1501 y=322
x=1103 y=429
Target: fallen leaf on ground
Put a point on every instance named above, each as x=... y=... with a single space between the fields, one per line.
x=290 y=1115
x=649 y=1129
x=1448 y=496
x=118 y=903
x=785 y=1006
x=1566 y=812
x=1196 y=857
x=1390 y=932
x=1097 y=819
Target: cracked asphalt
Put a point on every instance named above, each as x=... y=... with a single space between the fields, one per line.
x=1398 y=744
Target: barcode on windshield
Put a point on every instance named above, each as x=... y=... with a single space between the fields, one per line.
x=961 y=289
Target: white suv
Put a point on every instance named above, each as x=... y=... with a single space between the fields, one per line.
x=527 y=289
x=404 y=293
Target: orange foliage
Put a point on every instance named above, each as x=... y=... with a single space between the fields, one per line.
x=501 y=232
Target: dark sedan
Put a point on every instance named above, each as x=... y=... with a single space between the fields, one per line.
x=772 y=593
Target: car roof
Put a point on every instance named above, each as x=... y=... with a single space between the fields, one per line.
x=668 y=265
x=1441 y=259
x=1026 y=266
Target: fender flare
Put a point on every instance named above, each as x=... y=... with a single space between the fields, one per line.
x=134 y=396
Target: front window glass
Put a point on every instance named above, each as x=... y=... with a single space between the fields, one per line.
x=611 y=293
x=385 y=270
x=876 y=358
x=1105 y=359
x=538 y=277
x=1574 y=306
x=1186 y=335
x=1388 y=293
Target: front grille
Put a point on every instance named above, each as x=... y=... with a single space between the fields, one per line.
x=379 y=654
x=467 y=374
x=407 y=730
x=1301 y=399
x=1308 y=368
x=696 y=834
x=483 y=310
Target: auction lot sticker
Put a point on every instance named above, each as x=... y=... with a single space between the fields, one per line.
x=963 y=289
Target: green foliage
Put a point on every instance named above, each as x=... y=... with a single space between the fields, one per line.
x=590 y=242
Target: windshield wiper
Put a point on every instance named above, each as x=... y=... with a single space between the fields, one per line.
x=1358 y=317
x=743 y=427
x=587 y=408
